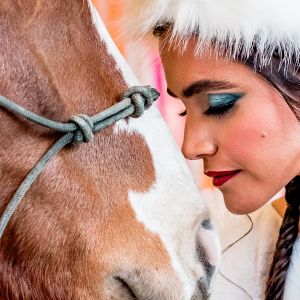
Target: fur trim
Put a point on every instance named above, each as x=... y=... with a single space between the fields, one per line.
x=268 y=24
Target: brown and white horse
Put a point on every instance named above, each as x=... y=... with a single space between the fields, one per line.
x=118 y=218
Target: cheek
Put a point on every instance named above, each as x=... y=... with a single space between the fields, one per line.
x=243 y=137
x=256 y=136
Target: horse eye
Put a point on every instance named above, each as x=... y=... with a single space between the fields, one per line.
x=125 y=288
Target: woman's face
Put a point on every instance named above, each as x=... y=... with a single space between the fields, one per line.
x=235 y=122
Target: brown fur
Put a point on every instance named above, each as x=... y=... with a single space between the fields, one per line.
x=74 y=229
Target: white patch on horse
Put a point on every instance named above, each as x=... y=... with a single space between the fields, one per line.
x=129 y=76
x=173 y=208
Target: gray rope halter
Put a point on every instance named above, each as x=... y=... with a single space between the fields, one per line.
x=79 y=129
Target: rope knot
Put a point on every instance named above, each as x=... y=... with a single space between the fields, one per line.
x=84 y=132
x=142 y=97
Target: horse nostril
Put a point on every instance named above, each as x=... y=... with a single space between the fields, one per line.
x=202 y=257
x=125 y=286
x=202 y=290
x=206 y=224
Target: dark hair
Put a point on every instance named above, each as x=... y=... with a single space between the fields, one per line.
x=285 y=78
x=284 y=247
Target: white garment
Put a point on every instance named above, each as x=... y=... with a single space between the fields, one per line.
x=244 y=265
x=292 y=283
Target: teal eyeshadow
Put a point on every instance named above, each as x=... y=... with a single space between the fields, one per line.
x=217 y=100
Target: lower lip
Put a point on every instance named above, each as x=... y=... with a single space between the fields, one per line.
x=218 y=181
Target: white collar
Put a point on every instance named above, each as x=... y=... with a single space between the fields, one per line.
x=245 y=264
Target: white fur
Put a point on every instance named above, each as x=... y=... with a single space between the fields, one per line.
x=267 y=23
x=173 y=208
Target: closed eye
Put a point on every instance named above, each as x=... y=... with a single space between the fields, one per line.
x=221 y=104
x=219 y=110
x=214 y=111
x=126 y=288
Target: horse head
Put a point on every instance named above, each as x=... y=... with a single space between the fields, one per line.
x=116 y=218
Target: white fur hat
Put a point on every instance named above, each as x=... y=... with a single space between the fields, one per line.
x=269 y=25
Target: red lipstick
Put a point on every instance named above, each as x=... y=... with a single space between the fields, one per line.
x=219 y=178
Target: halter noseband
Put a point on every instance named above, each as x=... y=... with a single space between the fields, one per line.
x=79 y=129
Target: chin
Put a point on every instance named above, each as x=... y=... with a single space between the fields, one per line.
x=238 y=210
x=248 y=200
x=239 y=207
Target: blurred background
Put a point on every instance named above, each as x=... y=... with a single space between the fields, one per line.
x=145 y=62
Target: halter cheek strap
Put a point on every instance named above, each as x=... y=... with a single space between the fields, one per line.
x=79 y=129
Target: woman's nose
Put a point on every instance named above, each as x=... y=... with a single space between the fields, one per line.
x=198 y=141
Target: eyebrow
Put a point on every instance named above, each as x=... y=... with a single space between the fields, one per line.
x=202 y=86
x=171 y=93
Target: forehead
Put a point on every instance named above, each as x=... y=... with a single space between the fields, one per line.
x=187 y=50
x=183 y=64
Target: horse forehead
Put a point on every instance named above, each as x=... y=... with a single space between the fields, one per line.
x=172 y=202
x=127 y=153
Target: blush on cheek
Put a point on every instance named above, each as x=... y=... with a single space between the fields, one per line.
x=243 y=139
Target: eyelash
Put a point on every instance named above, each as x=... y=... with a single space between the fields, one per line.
x=215 y=111
x=182 y=114
x=219 y=110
